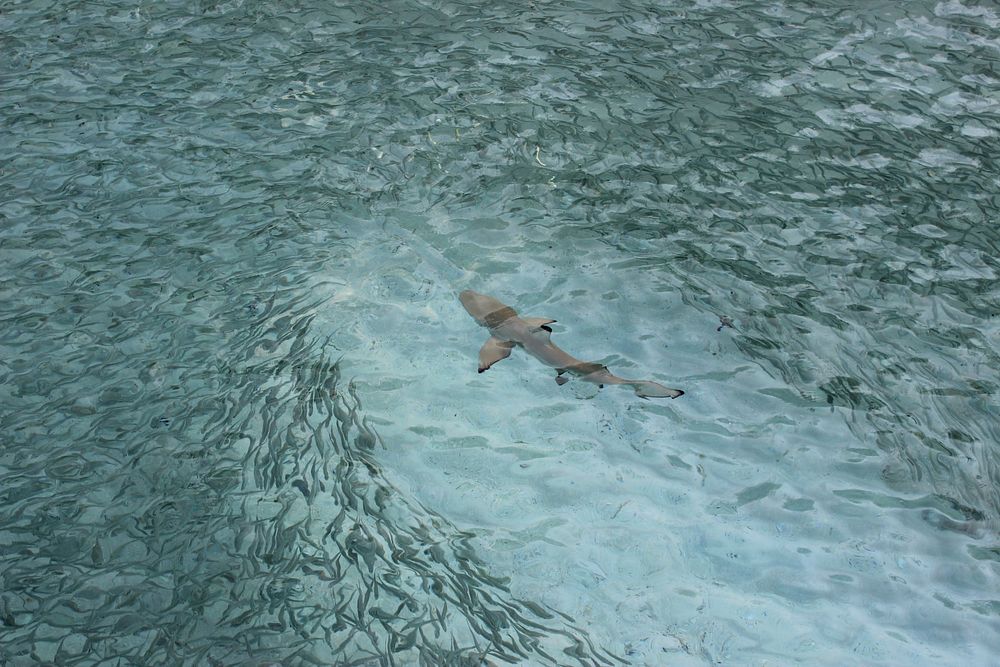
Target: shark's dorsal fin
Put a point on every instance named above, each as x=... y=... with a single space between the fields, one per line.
x=538 y=323
x=538 y=328
x=493 y=351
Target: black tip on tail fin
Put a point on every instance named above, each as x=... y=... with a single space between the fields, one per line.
x=647 y=389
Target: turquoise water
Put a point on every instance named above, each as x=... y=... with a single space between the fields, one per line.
x=240 y=419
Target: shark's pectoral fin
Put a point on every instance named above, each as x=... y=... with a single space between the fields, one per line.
x=493 y=351
x=561 y=379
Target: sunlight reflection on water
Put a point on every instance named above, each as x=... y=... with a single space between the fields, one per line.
x=209 y=214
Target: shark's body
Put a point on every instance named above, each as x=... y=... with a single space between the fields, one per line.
x=508 y=330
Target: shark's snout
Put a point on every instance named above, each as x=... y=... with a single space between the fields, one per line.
x=480 y=306
x=469 y=299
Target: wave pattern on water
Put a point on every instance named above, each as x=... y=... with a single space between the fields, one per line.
x=203 y=204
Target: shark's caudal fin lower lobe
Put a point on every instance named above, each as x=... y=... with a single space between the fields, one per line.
x=647 y=389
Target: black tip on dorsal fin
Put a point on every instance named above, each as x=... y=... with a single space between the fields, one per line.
x=535 y=323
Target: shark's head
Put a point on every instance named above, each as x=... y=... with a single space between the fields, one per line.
x=486 y=310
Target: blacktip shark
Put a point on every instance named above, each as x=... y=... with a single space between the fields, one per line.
x=508 y=330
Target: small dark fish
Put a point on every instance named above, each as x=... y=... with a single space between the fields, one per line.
x=301 y=486
x=725 y=322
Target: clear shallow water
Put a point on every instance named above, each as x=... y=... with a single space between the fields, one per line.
x=215 y=216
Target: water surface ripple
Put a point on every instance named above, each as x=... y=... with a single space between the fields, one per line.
x=210 y=213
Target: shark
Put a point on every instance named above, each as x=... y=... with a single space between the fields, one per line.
x=509 y=330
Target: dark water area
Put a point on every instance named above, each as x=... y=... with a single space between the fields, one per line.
x=240 y=419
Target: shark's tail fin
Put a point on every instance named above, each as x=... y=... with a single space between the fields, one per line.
x=647 y=389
